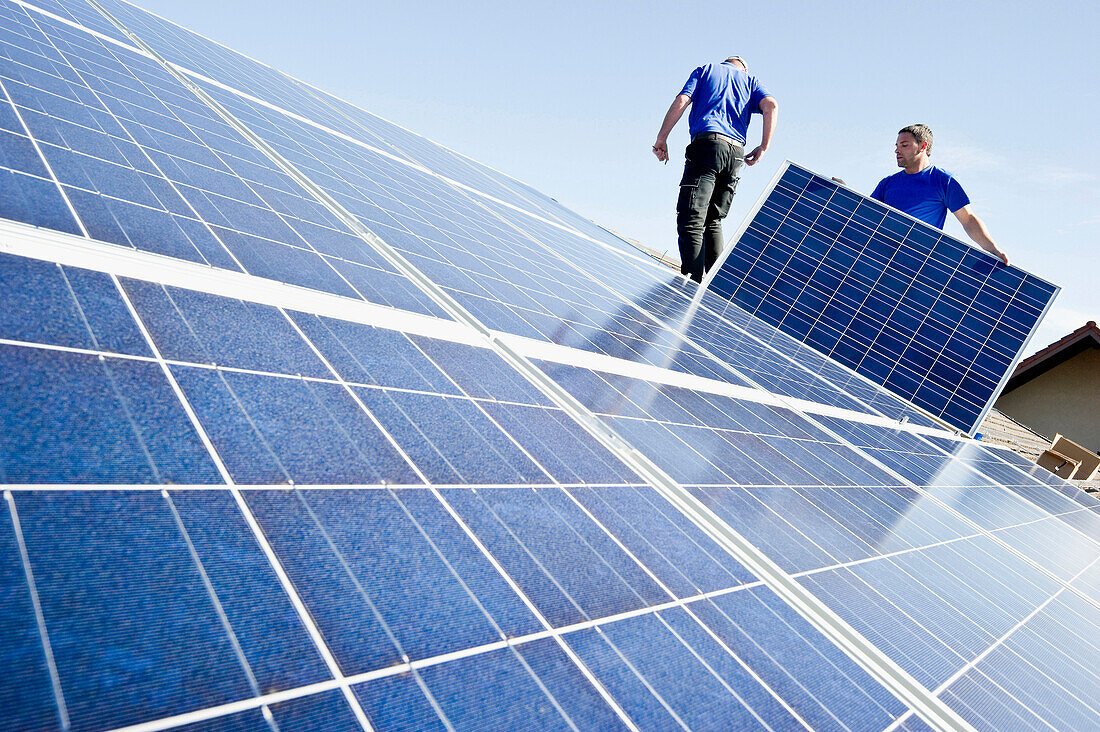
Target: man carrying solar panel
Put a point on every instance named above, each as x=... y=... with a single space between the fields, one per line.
x=723 y=97
x=926 y=192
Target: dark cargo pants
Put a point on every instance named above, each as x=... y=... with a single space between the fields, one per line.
x=711 y=171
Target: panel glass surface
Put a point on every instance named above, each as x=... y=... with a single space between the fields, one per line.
x=290 y=509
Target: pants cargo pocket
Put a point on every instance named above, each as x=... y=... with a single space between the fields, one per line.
x=686 y=200
x=720 y=204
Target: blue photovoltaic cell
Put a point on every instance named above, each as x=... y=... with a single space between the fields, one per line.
x=77 y=418
x=279 y=652
x=73 y=307
x=934 y=320
x=134 y=632
x=362 y=354
x=423 y=514
x=398 y=703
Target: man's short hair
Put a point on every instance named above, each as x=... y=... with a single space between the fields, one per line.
x=737 y=60
x=920 y=133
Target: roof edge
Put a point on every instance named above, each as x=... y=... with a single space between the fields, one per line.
x=1085 y=337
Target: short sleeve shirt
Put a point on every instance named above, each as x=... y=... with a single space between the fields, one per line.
x=927 y=195
x=723 y=99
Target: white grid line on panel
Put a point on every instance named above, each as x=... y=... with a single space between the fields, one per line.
x=45 y=162
x=69 y=22
x=772 y=186
x=500 y=569
x=1028 y=481
x=695 y=303
x=328 y=258
x=641 y=598
x=808 y=606
x=481 y=409
x=223 y=710
x=473 y=597
x=218 y=711
x=903 y=214
x=355 y=397
x=564 y=630
x=741 y=229
x=943 y=294
x=130 y=136
x=520 y=640
x=411 y=163
x=378 y=617
x=794 y=246
x=220 y=156
x=1015 y=361
x=604 y=693
x=322 y=96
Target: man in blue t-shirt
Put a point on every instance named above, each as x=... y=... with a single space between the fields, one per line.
x=926 y=192
x=723 y=97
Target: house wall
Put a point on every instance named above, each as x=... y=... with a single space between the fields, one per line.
x=1065 y=399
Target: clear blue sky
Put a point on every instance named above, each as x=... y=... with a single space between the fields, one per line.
x=567 y=96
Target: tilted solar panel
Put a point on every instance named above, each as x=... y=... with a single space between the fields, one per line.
x=310 y=423
x=936 y=321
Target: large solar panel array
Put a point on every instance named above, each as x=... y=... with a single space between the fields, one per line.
x=937 y=322
x=310 y=423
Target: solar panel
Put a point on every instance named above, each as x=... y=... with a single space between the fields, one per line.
x=934 y=320
x=310 y=423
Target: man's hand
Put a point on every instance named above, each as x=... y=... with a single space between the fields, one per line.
x=660 y=149
x=754 y=157
x=1002 y=255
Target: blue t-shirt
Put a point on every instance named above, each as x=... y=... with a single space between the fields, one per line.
x=927 y=195
x=723 y=98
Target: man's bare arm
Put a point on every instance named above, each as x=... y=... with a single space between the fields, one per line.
x=975 y=229
x=672 y=116
x=770 y=109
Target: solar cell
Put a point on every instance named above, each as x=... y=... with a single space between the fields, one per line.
x=548 y=483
